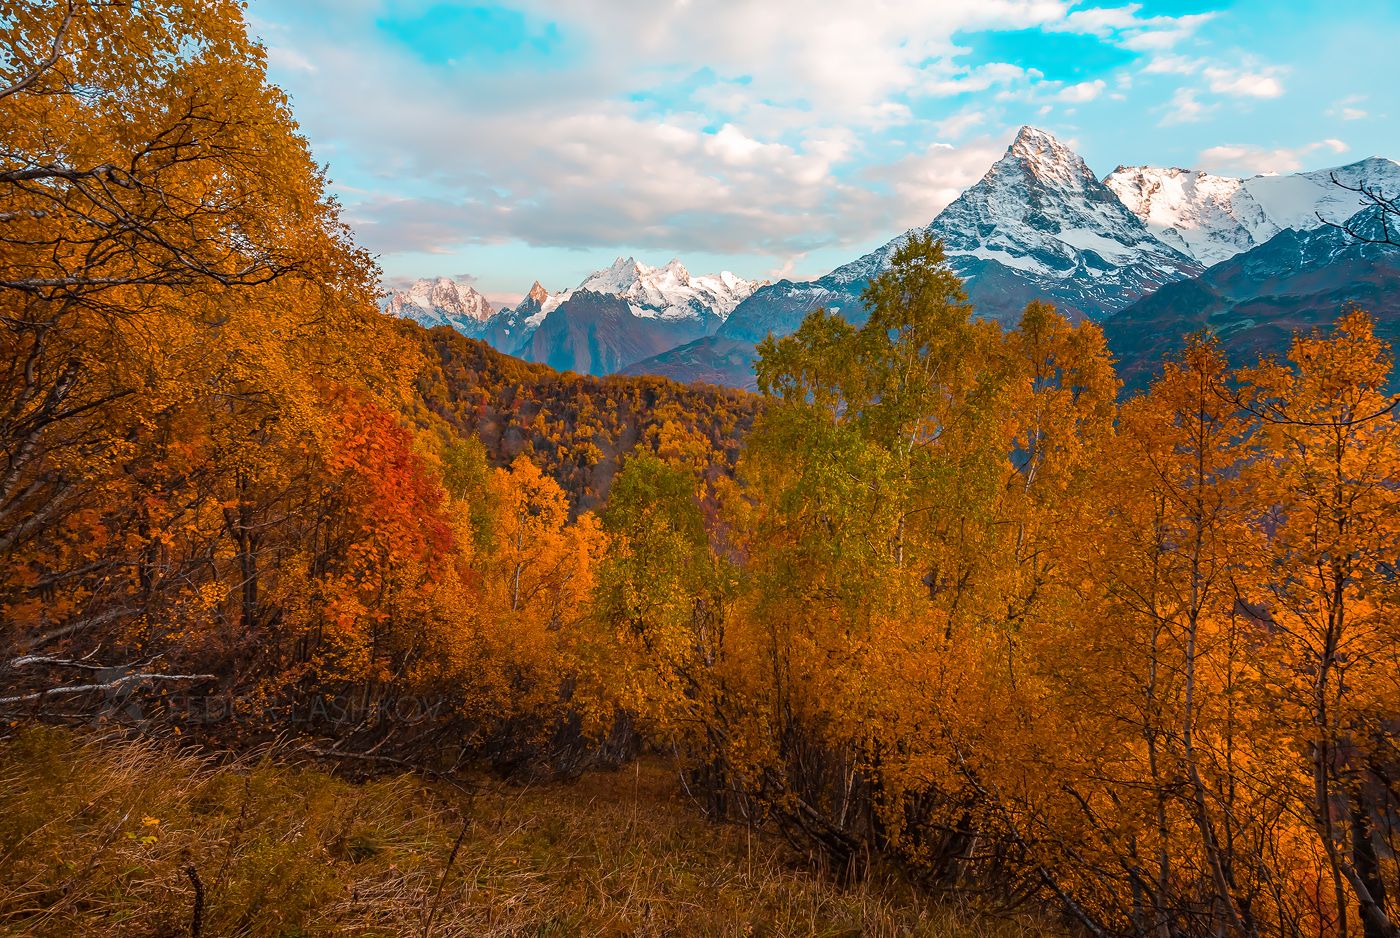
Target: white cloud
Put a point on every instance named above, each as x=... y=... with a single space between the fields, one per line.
x=609 y=177
x=787 y=268
x=1253 y=80
x=923 y=184
x=951 y=128
x=1171 y=64
x=840 y=58
x=724 y=126
x=1246 y=159
x=1243 y=83
x=1183 y=108
x=950 y=80
x=1125 y=26
x=1083 y=91
x=1348 y=108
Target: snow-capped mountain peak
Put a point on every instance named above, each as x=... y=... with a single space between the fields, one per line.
x=1213 y=218
x=669 y=292
x=1207 y=216
x=441 y=301
x=1042 y=218
x=623 y=274
x=1049 y=160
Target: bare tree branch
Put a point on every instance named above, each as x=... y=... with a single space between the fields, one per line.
x=120 y=682
x=1387 y=206
x=47 y=63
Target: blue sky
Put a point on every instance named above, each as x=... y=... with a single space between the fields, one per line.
x=539 y=139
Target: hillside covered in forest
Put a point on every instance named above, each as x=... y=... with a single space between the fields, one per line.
x=317 y=622
x=577 y=428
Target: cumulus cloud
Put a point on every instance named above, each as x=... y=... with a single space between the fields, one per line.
x=723 y=126
x=1083 y=91
x=839 y=58
x=1183 y=108
x=1246 y=159
x=1244 y=83
x=1195 y=101
x=608 y=177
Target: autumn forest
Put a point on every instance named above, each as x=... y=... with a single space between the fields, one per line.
x=940 y=600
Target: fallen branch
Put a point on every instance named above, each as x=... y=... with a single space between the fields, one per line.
x=25 y=661
x=111 y=685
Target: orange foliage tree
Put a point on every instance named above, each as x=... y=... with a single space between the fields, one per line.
x=1138 y=660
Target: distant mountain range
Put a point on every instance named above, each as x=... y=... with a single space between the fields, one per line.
x=615 y=317
x=442 y=302
x=1150 y=252
x=1213 y=218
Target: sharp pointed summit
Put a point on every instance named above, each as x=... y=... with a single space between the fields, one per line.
x=1038 y=225
x=1044 y=156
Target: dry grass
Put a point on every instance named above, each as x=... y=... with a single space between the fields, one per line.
x=98 y=838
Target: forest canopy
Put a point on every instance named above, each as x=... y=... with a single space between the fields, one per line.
x=938 y=599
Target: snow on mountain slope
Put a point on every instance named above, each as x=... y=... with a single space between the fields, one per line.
x=442 y=302
x=1213 y=218
x=664 y=301
x=1210 y=217
x=1041 y=213
x=627 y=311
x=1038 y=223
x=1296 y=201
x=1300 y=279
x=669 y=292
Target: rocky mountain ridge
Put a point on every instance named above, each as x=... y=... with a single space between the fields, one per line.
x=1038 y=225
x=442 y=301
x=1212 y=218
x=617 y=315
x=1253 y=302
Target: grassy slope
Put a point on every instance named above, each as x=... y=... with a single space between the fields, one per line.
x=97 y=837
